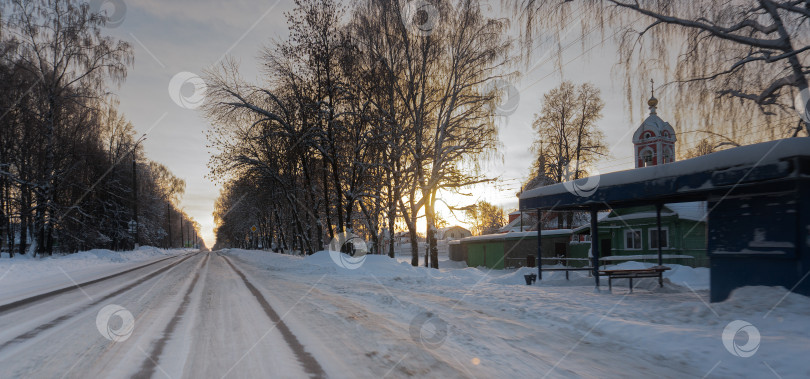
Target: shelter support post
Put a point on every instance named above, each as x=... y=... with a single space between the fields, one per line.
x=660 y=253
x=595 y=245
x=521 y=221
x=539 y=245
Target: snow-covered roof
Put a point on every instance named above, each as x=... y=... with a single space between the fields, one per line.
x=514 y=225
x=516 y=235
x=442 y=230
x=694 y=211
x=442 y=233
x=758 y=155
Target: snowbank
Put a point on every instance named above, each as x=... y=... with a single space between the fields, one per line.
x=24 y=275
x=680 y=278
x=512 y=328
x=696 y=278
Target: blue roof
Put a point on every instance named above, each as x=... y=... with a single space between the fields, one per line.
x=770 y=165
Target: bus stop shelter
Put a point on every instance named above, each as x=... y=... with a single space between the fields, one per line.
x=758 y=219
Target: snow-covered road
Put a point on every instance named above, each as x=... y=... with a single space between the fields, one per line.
x=194 y=316
x=236 y=313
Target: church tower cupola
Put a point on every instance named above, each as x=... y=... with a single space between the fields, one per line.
x=654 y=141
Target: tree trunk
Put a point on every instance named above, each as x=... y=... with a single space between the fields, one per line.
x=47 y=198
x=4 y=224
x=25 y=211
x=328 y=204
x=432 y=248
x=392 y=215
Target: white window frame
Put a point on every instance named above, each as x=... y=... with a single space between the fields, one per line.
x=650 y=234
x=640 y=242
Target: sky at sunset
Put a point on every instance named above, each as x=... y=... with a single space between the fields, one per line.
x=171 y=37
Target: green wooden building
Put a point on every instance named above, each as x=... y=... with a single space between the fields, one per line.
x=509 y=249
x=630 y=234
x=624 y=234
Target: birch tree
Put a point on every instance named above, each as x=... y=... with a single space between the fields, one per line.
x=737 y=68
x=451 y=115
x=60 y=43
x=568 y=137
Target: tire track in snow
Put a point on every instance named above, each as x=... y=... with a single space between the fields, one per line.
x=33 y=333
x=150 y=363
x=43 y=296
x=310 y=365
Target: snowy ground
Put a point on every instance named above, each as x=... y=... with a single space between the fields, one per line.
x=25 y=276
x=217 y=315
x=490 y=324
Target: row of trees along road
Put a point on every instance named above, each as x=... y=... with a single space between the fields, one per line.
x=67 y=155
x=362 y=118
x=360 y=121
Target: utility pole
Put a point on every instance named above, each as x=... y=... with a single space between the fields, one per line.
x=182 y=237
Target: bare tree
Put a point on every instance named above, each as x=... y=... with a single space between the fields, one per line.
x=568 y=137
x=569 y=141
x=453 y=121
x=371 y=117
x=485 y=217
x=60 y=43
x=702 y=148
x=738 y=66
x=63 y=142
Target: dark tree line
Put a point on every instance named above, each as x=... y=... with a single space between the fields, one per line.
x=362 y=117
x=69 y=161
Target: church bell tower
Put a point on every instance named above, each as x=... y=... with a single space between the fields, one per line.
x=654 y=141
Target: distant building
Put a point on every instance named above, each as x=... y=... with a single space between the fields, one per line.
x=506 y=250
x=527 y=221
x=451 y=233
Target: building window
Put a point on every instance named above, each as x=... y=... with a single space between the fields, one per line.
x=654 y=238
x=632 y=239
